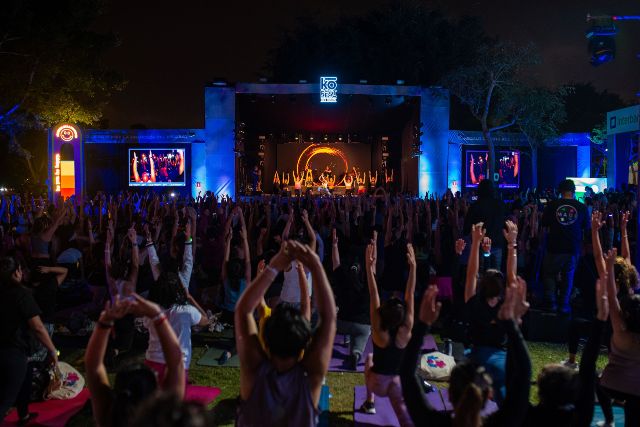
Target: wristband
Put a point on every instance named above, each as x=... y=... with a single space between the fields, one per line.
x=149 y=244
x=161 y=317
x=270 y=270
x=486 y=254
x=105 y=325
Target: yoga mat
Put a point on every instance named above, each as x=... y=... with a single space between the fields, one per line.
x=384 y=416
x=201 y=394
x=489 y=408
x=341 y=353
x=51 y=413
x=618 y=415
x=211 y=356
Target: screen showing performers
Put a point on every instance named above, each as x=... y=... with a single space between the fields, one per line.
x=507 y=167
x=157 y=167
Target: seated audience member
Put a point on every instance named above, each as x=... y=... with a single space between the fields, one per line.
x=567 y=397
x=281 y=385
x=171 y=296
x=391 y=324
x=114 y=406
x=352 y=299
x=486 y=335
x=19 y=315
x=470 y=386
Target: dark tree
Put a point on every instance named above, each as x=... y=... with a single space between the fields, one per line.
x=587 y=108
x=51 y=67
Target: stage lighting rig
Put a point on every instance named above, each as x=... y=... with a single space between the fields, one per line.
x=240 y=134
x=416 y=145
x=602 y=37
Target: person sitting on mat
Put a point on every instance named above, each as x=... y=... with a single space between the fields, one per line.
x=469 y=384
x=134 y=384
x=19 y=313
x=181 y=313
x=391 y=324
x=282 y=385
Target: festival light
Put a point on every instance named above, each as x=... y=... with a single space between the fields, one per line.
x=315 y=149
x=67 y=133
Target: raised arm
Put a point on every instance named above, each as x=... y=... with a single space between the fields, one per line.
x=187 y=258
x=596 y=224
x=132 y=278
x=310 y=231
x=409 y=291
x=335 y=252
x=477 y=234
x=246 y=330
x=317 y=357
x=60 y=272
x=245 y=245
x=511 y=235
x=374 y=298
x=154 y=261
x=153 y=169
x=134 y=167
x=624 y=237
x=305 y=301
x=617 y=323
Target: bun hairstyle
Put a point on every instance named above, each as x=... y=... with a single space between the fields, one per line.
x=491 y=284
x=469 y=390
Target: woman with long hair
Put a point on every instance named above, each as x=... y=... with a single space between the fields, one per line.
x=391 y=323
x=19 y=315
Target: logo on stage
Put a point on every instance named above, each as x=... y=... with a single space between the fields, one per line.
x=328 y=89
x=566 y=215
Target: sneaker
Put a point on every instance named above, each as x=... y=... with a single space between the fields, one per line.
x=347 y=340
x=571 y=365
x=224 y=358
x=352 y=361
x=368 y=408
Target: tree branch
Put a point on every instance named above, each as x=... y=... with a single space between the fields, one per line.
x=506 y=125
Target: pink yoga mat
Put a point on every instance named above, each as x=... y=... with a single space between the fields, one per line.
x=52 y=413
x=341 y=352
x=384 y=416
x=201 y=394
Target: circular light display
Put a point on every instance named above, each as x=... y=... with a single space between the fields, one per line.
x=315 y=149
x=67 y=133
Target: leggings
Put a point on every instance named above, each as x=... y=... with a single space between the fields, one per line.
x=15 y=380
x=387 y=386
x=631 y=405
x=578 y=328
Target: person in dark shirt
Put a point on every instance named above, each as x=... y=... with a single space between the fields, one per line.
x=489 y=211
x=566 y=219
x=352 y=299
x=470 y=386
x=19 y=316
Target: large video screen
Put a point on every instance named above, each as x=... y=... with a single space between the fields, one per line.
x=328 y=159
x=157 y=167
x=507 y=166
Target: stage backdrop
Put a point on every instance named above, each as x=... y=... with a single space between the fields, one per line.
x=335 y=156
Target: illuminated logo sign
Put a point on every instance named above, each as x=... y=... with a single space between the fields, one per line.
x=328 y=89
x=67 y=133
x=56 y=172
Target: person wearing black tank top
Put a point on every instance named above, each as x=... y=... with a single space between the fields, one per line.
x=391 y=324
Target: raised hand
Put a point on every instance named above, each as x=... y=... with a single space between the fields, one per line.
x=511 y=233
x=187 y=230
x=334 y=236
x=370 y=256
x=116 y=310
x=460 y=246
x=430 y=308
x=261 y=266
x=411 y=256
x=132 y=235
x=477 y=232
x=144 y=308
x=610 y=259
x=596 y=221
x=624 y=220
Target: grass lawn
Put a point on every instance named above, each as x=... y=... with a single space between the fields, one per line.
x=341 y=384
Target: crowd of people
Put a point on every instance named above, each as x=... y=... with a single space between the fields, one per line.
x=291 y=272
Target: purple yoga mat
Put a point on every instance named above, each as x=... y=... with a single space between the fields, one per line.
x=489 y=408
x=384 y=416
x=341 y=352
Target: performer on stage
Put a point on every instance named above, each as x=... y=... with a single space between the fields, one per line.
x=360 y=179
x=348 y=184
x=285 y=183
x=324 y=184
x=297 y=182
x=373 y=180
x=388 y=179
x=332 y=183
x=308 y=179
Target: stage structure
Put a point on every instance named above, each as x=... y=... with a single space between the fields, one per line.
x=403 y=127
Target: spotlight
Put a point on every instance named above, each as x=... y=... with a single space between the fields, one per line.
x=363 y=82
x=262 y=80
x=387 y=100
x=399 y=82
x=340 y=138
x=173 y=194
x=602 y=42
x=302 y=81
x=273 y=99
x=326 y=137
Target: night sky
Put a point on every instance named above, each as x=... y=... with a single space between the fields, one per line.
x=170 y=50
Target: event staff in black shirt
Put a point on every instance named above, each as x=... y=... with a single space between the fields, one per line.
x=566 y=219
x=489 y=211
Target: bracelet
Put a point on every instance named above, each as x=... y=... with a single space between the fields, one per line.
x=161 y=317
x=486 y=254
x=105 y=325
x=274 y=272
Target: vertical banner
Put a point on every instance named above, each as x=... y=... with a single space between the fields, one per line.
x=66 y=160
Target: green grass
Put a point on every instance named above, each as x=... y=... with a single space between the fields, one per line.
x=341 y=384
